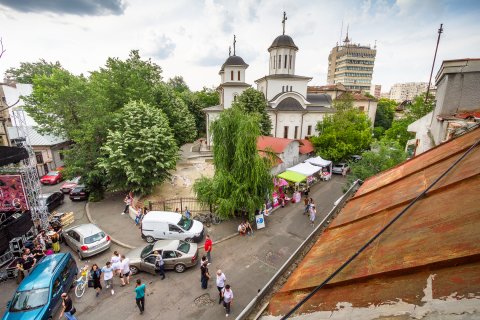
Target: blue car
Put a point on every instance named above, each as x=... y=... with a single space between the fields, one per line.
x=39 y=295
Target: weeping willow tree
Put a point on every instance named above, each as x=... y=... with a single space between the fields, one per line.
x=242 y=178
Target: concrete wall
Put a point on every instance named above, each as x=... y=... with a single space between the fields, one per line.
x=290 y=155
x=211 y=117
x=229 y=93
x=275 y=86
x=280 y=69
x=293 y=119
x=369 y=108
x=420 y=127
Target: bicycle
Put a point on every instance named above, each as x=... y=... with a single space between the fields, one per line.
x=207 y=218
x=81 y=283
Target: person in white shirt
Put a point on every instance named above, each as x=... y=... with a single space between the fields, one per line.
x=220 y=284
x=227 y=299
x=125 y=271
x=108 y=276
x=116 y=263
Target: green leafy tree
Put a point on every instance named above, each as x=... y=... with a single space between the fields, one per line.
x=344 y=102
x=199 y=100
x=253 y=101
x=242 y=178
x=383 y=155
x=178 y=84
x=179 y=117
x=28 y=70
x=385 y=113
x=418 y=108
x=345 y=133
x=398 y=131
x=139 y=150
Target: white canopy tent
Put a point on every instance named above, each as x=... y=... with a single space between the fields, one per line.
x=324 y=165
x=305 y=168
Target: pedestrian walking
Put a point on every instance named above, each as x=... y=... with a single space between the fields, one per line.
x=116 y=263
x=221 y=279
x=68 y=309
x=227 y=294
x=306 y=202
x=125 y=270
x=128 y=203
x=138 y=216
x=96 y=274
x=312 y=213
x=208 y=248
x=188 y=215
x=205 y=275
x=140 y=295
x=159 y=265
x=108 y=276
x=55 y=239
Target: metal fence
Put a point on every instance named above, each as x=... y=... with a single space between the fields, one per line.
x=193 y=205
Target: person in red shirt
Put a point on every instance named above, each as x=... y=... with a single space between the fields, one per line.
x=208 y=247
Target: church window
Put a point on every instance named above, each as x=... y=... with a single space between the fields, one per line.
x=231 y=75
x=285 y=132
x=235 y=97
x=283 y=88
x=290 y=62
x=296 y=132
x=279 y=61
x=290 y=88
x=274 y=62
x=238 y=75
x=285 y=63
x=309 y=130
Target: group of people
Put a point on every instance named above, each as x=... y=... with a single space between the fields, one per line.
x=118 y=265
x=245 y=228
x=310 y=209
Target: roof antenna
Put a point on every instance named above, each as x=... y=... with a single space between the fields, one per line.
x=234 y=42
x=346 y=38
x=284 y=20
x=440 y=31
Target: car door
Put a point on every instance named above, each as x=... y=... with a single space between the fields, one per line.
x=55 y=295
x=170 y=259
x=174 y=232
x=148 y=264
x=73 y=240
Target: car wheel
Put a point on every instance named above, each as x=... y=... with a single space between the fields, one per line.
x=133 y=270
x=180 y=268
x=189 y=240
x=150 y=239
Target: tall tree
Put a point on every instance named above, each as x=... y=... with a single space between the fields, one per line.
x=197 y=101
x=253 y=101
x=28 y=70
x=344 y=102
x=398 y=131
x=242 y=178
x=345 y=133
x=178 y=84
x=418 y=108
x=385 y=113
x=139 y=150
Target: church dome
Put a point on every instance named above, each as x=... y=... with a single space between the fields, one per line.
x=234 y=61
x=283 y=41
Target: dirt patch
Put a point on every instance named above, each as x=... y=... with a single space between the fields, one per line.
x=204 y=301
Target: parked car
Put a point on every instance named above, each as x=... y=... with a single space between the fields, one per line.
x=177 y=255
x=52 y=177
x=79 y=193
x=339 y=167
x=170 y=225
x=39 y=295
x=69 y=185
x=87 y=240
x=356 y=158
x=51 y=200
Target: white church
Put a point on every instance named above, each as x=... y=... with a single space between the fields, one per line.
x=294 y=112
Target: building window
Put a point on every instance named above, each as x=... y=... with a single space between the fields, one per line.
x=274 y=62
x=235 y=97
x=39 y=157
x=290 y=88
x=296 y=132
x=231 y=75
x=309 y=130
x=290 y=62
x=279 y=61
x=361 y=108
x=285 y=63
x=238 y=75
x=285 y=132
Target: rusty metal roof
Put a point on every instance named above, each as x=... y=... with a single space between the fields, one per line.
x=439 y=235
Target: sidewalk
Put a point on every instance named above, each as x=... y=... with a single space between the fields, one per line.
x=122 y=229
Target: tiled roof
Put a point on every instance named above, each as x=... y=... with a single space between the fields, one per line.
x=328 y=87
x=276 y=145
x=357 y=96
x=276 y=159
x=305 y=146
x=436 y=242
x=36 y=139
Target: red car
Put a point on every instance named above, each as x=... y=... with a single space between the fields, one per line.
x=69 y=185
x=53 y=177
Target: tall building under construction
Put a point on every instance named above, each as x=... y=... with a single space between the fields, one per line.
x=352 y=65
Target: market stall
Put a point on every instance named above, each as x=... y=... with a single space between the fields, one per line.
x=285 y=194
x=325 y=165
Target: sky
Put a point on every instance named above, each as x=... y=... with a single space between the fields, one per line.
x=191 y=38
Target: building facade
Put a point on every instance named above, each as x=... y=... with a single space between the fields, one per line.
x=376 y=90
x=407 y=91
x=352 y=65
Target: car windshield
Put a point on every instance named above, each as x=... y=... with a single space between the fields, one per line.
x=185 y=224
x=146 y=251
x=184 y=247
x=96 y=237
x=31 y=299
x=52 y=173
x=78 y=189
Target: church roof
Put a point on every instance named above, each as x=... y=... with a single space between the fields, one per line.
x=319 y=99
x=283 y=41
x=289 y=104
x=283 y=76
x=234 y=61
x=234 y=84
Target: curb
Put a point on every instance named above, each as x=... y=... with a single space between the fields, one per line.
x=121 y=244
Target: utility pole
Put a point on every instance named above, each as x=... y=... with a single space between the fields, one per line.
x=440 y=31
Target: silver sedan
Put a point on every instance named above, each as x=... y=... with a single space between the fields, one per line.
x=87 y=239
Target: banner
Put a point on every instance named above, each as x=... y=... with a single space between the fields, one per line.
x=12 y=194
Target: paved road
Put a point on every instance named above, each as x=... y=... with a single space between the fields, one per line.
x=248 y=262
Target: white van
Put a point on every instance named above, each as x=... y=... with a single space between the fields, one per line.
x=170 y=225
